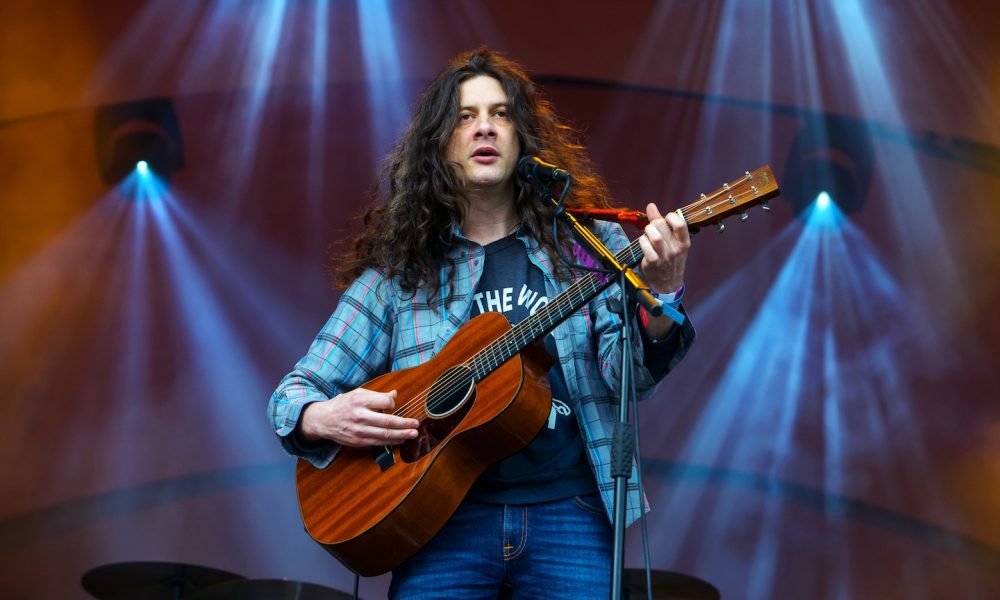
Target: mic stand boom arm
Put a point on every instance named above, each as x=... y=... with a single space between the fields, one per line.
x=635 y=287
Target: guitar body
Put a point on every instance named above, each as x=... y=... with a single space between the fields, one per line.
x=373 y=508
x=374 y=513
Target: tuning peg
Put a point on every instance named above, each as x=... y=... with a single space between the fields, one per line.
x=721 y=226
x=765 y=207
x=744 y=217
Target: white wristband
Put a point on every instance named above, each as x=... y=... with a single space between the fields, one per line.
x=673 y=298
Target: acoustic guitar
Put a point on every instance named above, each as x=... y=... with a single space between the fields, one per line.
x=482 y=398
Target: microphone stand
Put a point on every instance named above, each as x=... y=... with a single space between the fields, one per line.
x=622 y=440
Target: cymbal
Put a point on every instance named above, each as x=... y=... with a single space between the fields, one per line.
x=667 y=585
x=269 y=589
x=151 y=580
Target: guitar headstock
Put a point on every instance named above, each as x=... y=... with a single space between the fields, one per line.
x=736 y=196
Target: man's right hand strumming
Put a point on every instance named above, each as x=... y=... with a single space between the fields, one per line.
x=355 y=419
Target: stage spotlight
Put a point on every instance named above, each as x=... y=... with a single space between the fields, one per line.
x=142 y=136
x=831 y=158
x=823 y=201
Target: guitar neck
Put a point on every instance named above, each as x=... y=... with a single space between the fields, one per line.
x=548 y=317
x=736 y=196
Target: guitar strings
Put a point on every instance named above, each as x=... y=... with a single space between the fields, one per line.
x=454 y=382
x=499 y=351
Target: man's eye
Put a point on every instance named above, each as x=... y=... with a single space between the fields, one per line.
x=465 y=117
x=501 y=113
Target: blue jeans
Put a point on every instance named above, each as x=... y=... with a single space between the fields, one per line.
x=552 y=550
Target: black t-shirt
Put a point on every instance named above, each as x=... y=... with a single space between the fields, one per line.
x=553 y=465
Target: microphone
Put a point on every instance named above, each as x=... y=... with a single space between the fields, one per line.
x=534 y=169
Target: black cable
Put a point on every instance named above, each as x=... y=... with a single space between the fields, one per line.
x=642 y=491
x=560 y=209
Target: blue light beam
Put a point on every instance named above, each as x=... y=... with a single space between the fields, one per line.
x=812 y=389
x=383 y=74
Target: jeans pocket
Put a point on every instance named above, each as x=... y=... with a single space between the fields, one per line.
x=590 y=503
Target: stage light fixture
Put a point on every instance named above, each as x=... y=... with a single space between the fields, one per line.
x=823 y=201
x=832 y=158
x=142 y=136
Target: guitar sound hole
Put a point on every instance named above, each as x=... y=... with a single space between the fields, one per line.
x=449 y=392
x=448 y=401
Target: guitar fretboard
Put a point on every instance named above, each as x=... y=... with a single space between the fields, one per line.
x=738 y=195
x=545 y=320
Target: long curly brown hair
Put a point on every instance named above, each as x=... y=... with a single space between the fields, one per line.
x=408 y=234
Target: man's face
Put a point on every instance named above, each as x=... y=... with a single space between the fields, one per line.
x=484 y=144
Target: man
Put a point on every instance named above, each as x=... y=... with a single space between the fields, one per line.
x=458 y=234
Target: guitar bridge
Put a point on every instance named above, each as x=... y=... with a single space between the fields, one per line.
x=383 y=456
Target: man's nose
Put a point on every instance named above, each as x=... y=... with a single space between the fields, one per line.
x=484 y=127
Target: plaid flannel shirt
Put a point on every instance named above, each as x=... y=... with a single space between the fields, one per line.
x=377 y=328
